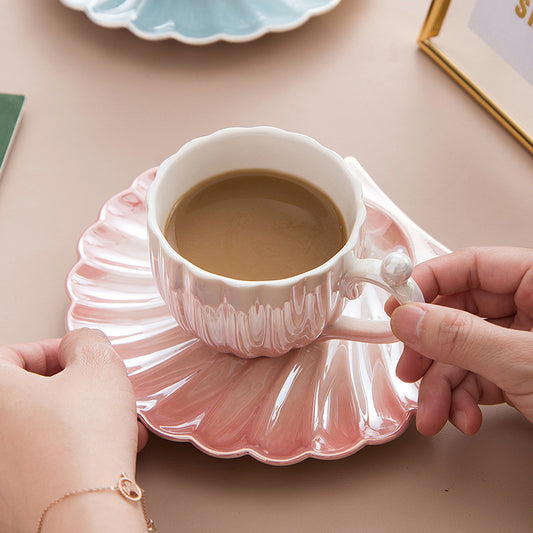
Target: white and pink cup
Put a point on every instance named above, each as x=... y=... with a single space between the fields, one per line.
x=269 y=318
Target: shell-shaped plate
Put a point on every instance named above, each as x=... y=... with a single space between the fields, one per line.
x=202 y=21
x=326 y=400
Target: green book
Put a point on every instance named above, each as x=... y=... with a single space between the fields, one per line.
x=10 y=109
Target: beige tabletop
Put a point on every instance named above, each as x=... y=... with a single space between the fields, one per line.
x=103 y=105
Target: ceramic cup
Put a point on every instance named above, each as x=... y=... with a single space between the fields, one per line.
x=269 y=318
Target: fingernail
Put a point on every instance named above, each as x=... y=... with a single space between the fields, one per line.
x=419 y=414
x=420 y=409
x=406 y=322
x=458 y=419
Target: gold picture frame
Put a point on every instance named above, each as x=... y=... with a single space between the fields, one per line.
x=452 y=54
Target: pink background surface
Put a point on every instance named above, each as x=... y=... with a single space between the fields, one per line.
x=103 y=105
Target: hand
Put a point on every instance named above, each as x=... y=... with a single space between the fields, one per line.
x=67 y=422
x=463 y=359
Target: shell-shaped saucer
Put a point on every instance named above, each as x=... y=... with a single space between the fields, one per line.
x=326 y=400
x=202 y=21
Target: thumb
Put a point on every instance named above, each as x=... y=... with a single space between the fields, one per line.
x=89 y=349
x=503 y=356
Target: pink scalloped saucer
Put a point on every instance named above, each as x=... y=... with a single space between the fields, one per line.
x=326 y=400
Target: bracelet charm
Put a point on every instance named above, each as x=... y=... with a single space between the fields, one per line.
x=126 y=487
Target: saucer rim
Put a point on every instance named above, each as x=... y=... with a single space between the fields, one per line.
x=294 y=459
x=200 y=41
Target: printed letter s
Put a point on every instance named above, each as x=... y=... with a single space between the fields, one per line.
x=521 y=10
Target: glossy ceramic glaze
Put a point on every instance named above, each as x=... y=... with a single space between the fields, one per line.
x=268 y=318
x=326 y=400
x=202 y=22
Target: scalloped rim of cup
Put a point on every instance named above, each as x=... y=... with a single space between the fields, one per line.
x=153 y=226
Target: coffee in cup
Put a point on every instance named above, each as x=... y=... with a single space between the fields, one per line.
x=256 y=224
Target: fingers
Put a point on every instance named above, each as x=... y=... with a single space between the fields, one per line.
x=435 y=397
x=80 y=348
x=412 y=366
x=465 y=413
x=36 y=357
x=496 y=270
x=482 y=303
x=451 y=393
x=480 y=273
x=88 y=349
x=503 y=356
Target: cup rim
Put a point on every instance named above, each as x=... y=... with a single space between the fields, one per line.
x=199 y=272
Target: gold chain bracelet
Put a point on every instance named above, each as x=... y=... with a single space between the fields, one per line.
x=127 y=488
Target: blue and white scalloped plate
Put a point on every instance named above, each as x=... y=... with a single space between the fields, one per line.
x=202 y=21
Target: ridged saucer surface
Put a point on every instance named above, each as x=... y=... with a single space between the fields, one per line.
x=326 y=400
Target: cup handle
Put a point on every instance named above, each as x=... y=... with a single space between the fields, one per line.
x=393 y=274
